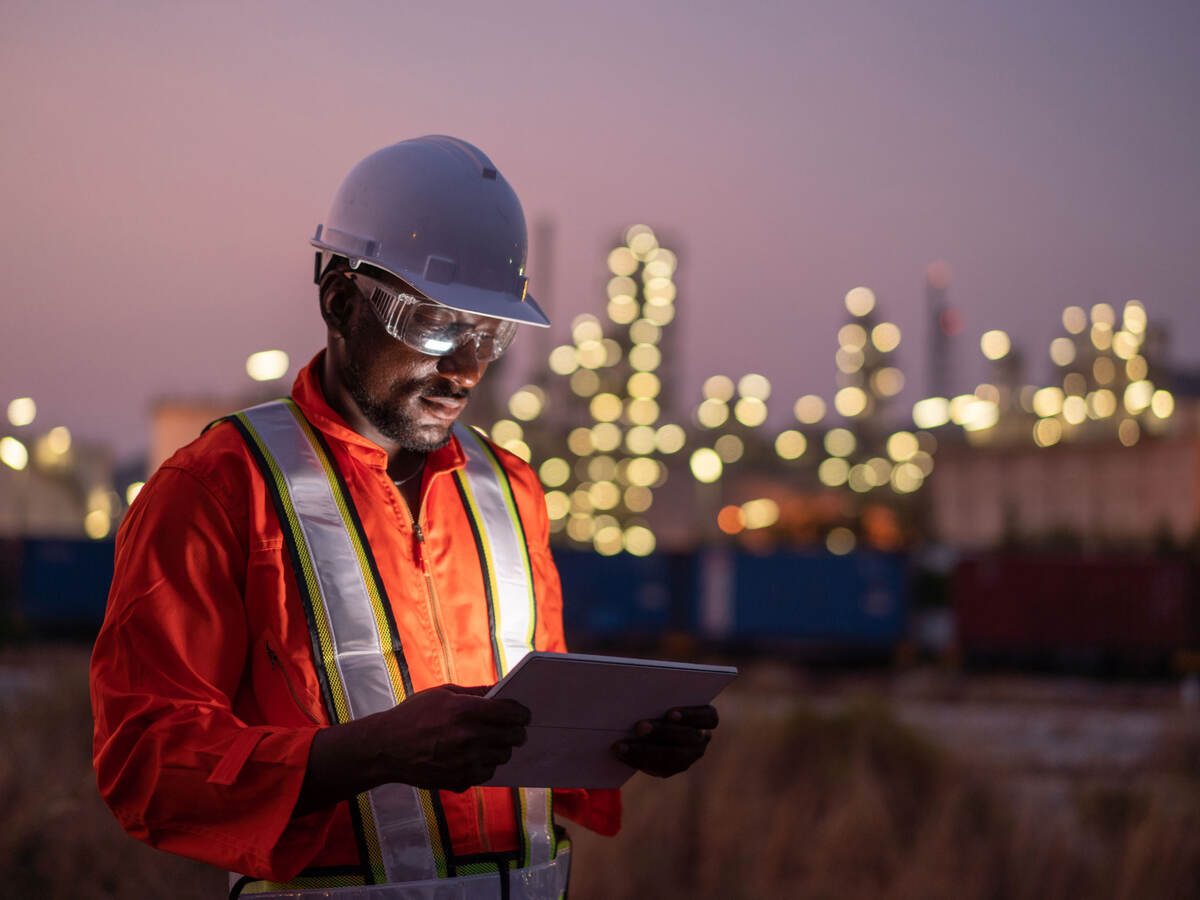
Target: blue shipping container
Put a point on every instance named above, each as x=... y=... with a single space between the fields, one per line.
x=64 y=583
x=860 y=598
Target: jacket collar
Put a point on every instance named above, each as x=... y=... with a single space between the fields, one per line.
x=307 y=392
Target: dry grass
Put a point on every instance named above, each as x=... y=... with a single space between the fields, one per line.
x=790 y=802
x=57 y=838
x=854 y=804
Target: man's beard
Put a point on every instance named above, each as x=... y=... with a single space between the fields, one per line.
x=391 y=420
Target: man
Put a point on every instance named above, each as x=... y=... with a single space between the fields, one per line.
x=311 y=598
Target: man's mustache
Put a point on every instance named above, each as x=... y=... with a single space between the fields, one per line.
x=443 y=389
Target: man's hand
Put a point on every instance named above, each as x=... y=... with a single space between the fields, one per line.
x=443 y=738
x=667 y=746
x=448 y=737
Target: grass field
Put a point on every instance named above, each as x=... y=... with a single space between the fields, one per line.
x=804 y=794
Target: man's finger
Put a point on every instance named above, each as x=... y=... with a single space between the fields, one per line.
x=501 y=712
x=666 y=734
x=657 y=759
x=478 y=690
x=695 y=716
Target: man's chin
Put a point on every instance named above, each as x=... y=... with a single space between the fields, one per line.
x=428 y=441
x=423 y=437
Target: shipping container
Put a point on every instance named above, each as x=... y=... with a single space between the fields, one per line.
x=1060 y=609
x=64 y=584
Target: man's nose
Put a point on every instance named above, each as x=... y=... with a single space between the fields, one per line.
x=463 y=365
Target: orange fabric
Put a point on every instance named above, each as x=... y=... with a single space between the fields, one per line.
x=204 y=692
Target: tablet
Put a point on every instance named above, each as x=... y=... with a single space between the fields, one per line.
x=581 y=705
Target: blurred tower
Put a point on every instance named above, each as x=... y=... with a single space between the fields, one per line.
x=525 y=360
x=542 y=288
x=944 y=323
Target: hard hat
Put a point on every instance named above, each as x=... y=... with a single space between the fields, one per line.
x=436 y=213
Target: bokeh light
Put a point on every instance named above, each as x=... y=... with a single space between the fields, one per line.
x=132 y=491
x=932 y=412
x=554 y=472
x=265 y=365
x=850 y=401
x=712 y=413
x=729 y=447
x=718 y=387
x=809 y=409
x=643 y=384
x=1128 y=432
x=902 y=445
x=790 y=444
x=1074 y=319
x=670 y=438
x=564 y=360
x=760 y=513
x=833 y=472
x=888 y=381
x=840 y=541
x=706 y=465
x=840 y=442
x=754 y=386
x=995 y=344
x=860 y=301
x=1162 y=404
x=606 y=437
x=527 y=403
x=750 y=411
x=852 y=336
x=1134 y=317
x=886 y=337
x=584 y=383
x=13 y=453
x=1062 y=351
x=21 y=412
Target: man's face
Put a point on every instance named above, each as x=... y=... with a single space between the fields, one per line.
x=409 y=397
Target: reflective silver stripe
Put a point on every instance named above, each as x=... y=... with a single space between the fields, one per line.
x=538 y=819
x=513 y=607
x=547 y=881
x=505 y=548
x=399 y=819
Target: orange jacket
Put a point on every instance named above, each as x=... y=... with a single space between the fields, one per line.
x=205 y=695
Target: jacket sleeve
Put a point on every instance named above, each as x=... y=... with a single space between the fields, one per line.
x=174 y=762
x=599 y=810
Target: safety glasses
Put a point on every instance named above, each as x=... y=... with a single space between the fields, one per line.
x=429 y=327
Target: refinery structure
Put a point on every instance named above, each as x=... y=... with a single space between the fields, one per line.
x=1100 y=457
x=634 y=460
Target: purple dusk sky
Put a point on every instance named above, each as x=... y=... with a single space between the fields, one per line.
x=164 y=165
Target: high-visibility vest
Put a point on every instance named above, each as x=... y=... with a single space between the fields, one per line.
x=361 y=667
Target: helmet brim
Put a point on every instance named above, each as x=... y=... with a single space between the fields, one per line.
x=462 y=297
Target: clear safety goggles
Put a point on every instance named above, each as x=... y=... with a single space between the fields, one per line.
x=429 y=327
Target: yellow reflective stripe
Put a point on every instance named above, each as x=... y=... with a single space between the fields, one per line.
x=511 y=504
x=523 y=820
x=488 y=567
x=371 y=838
x=481 y=868
x=381 y=622
x=302 y=883
x=435 y=834
x=336 y=688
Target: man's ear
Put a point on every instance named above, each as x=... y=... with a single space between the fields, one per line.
x=337 y=301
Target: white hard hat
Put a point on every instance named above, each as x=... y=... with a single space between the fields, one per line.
x=436 y=213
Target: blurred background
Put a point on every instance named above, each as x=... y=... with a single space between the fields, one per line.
x=873 y=370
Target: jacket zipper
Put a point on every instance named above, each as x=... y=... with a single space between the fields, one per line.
x=431 y=595
x=483 y=835
x=276 y=664
x=430 y=590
